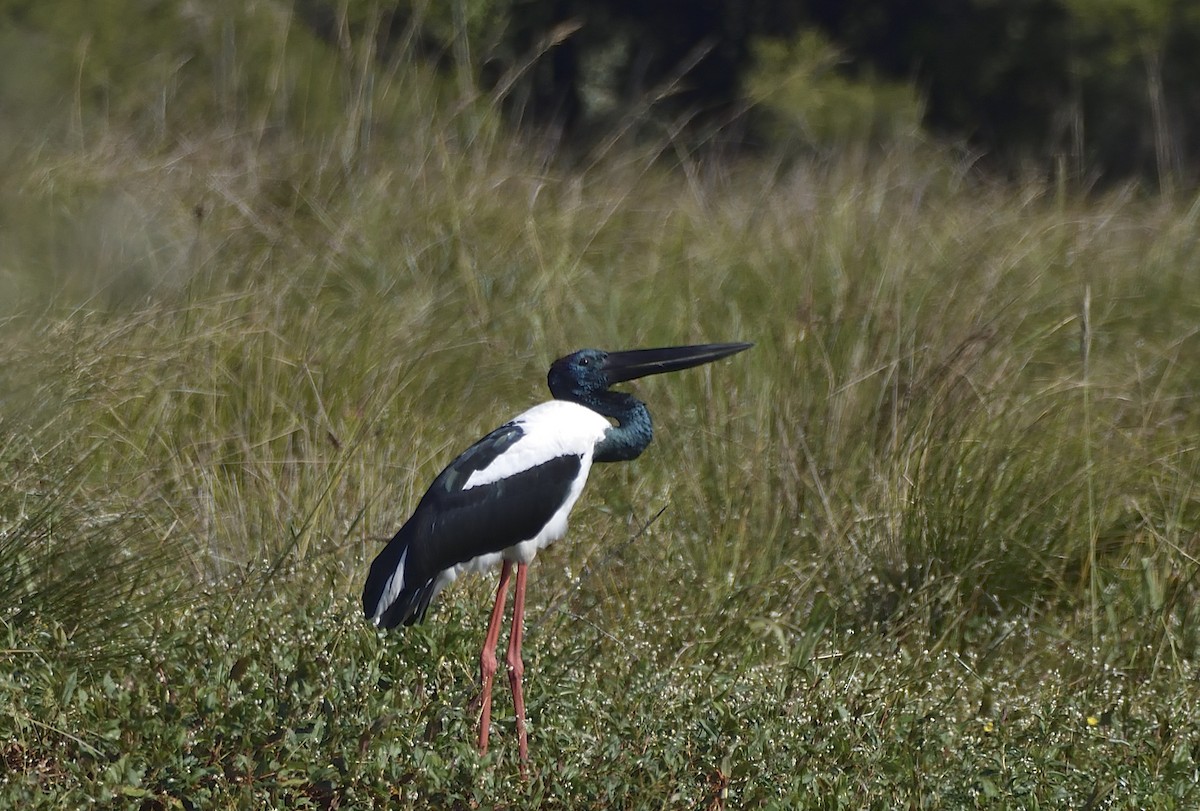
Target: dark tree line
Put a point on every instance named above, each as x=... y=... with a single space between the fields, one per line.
x=1110 y=86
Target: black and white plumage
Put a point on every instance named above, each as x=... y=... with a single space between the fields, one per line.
x=509 y=495
x=505 y=498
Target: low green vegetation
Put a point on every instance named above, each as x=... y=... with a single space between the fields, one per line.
x=932 y=543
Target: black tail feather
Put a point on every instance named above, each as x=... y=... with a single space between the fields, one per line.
x=412 y=602
x=382 y=569
x=409 y=608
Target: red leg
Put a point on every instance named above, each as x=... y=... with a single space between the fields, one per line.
x=515 y=666
x=487 y=659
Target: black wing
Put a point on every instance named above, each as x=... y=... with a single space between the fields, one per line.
x=452 y=525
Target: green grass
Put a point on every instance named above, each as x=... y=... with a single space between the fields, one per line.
x=932 y=543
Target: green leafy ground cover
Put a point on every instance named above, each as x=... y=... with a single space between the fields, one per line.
x=932 y=543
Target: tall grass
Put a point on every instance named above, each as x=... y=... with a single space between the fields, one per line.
x=234 y=358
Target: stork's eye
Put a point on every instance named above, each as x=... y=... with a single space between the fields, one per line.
x=585 y=361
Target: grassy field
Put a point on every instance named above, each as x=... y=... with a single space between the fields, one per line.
x=931 y=544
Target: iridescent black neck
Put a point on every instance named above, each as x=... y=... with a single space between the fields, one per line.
x=630 y=436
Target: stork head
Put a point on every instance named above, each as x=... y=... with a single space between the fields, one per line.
x=591 y=371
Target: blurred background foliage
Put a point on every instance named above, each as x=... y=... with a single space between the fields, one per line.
x=1097 y=89
x=1106 y=89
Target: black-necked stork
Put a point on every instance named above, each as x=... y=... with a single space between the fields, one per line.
x=509 y=494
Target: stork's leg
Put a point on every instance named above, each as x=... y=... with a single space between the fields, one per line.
x=487 y=659
x=515 y=666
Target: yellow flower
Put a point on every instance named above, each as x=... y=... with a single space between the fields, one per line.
x=1093 y=721
x=988 y=726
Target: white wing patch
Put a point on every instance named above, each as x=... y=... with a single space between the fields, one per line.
x=552 y=429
